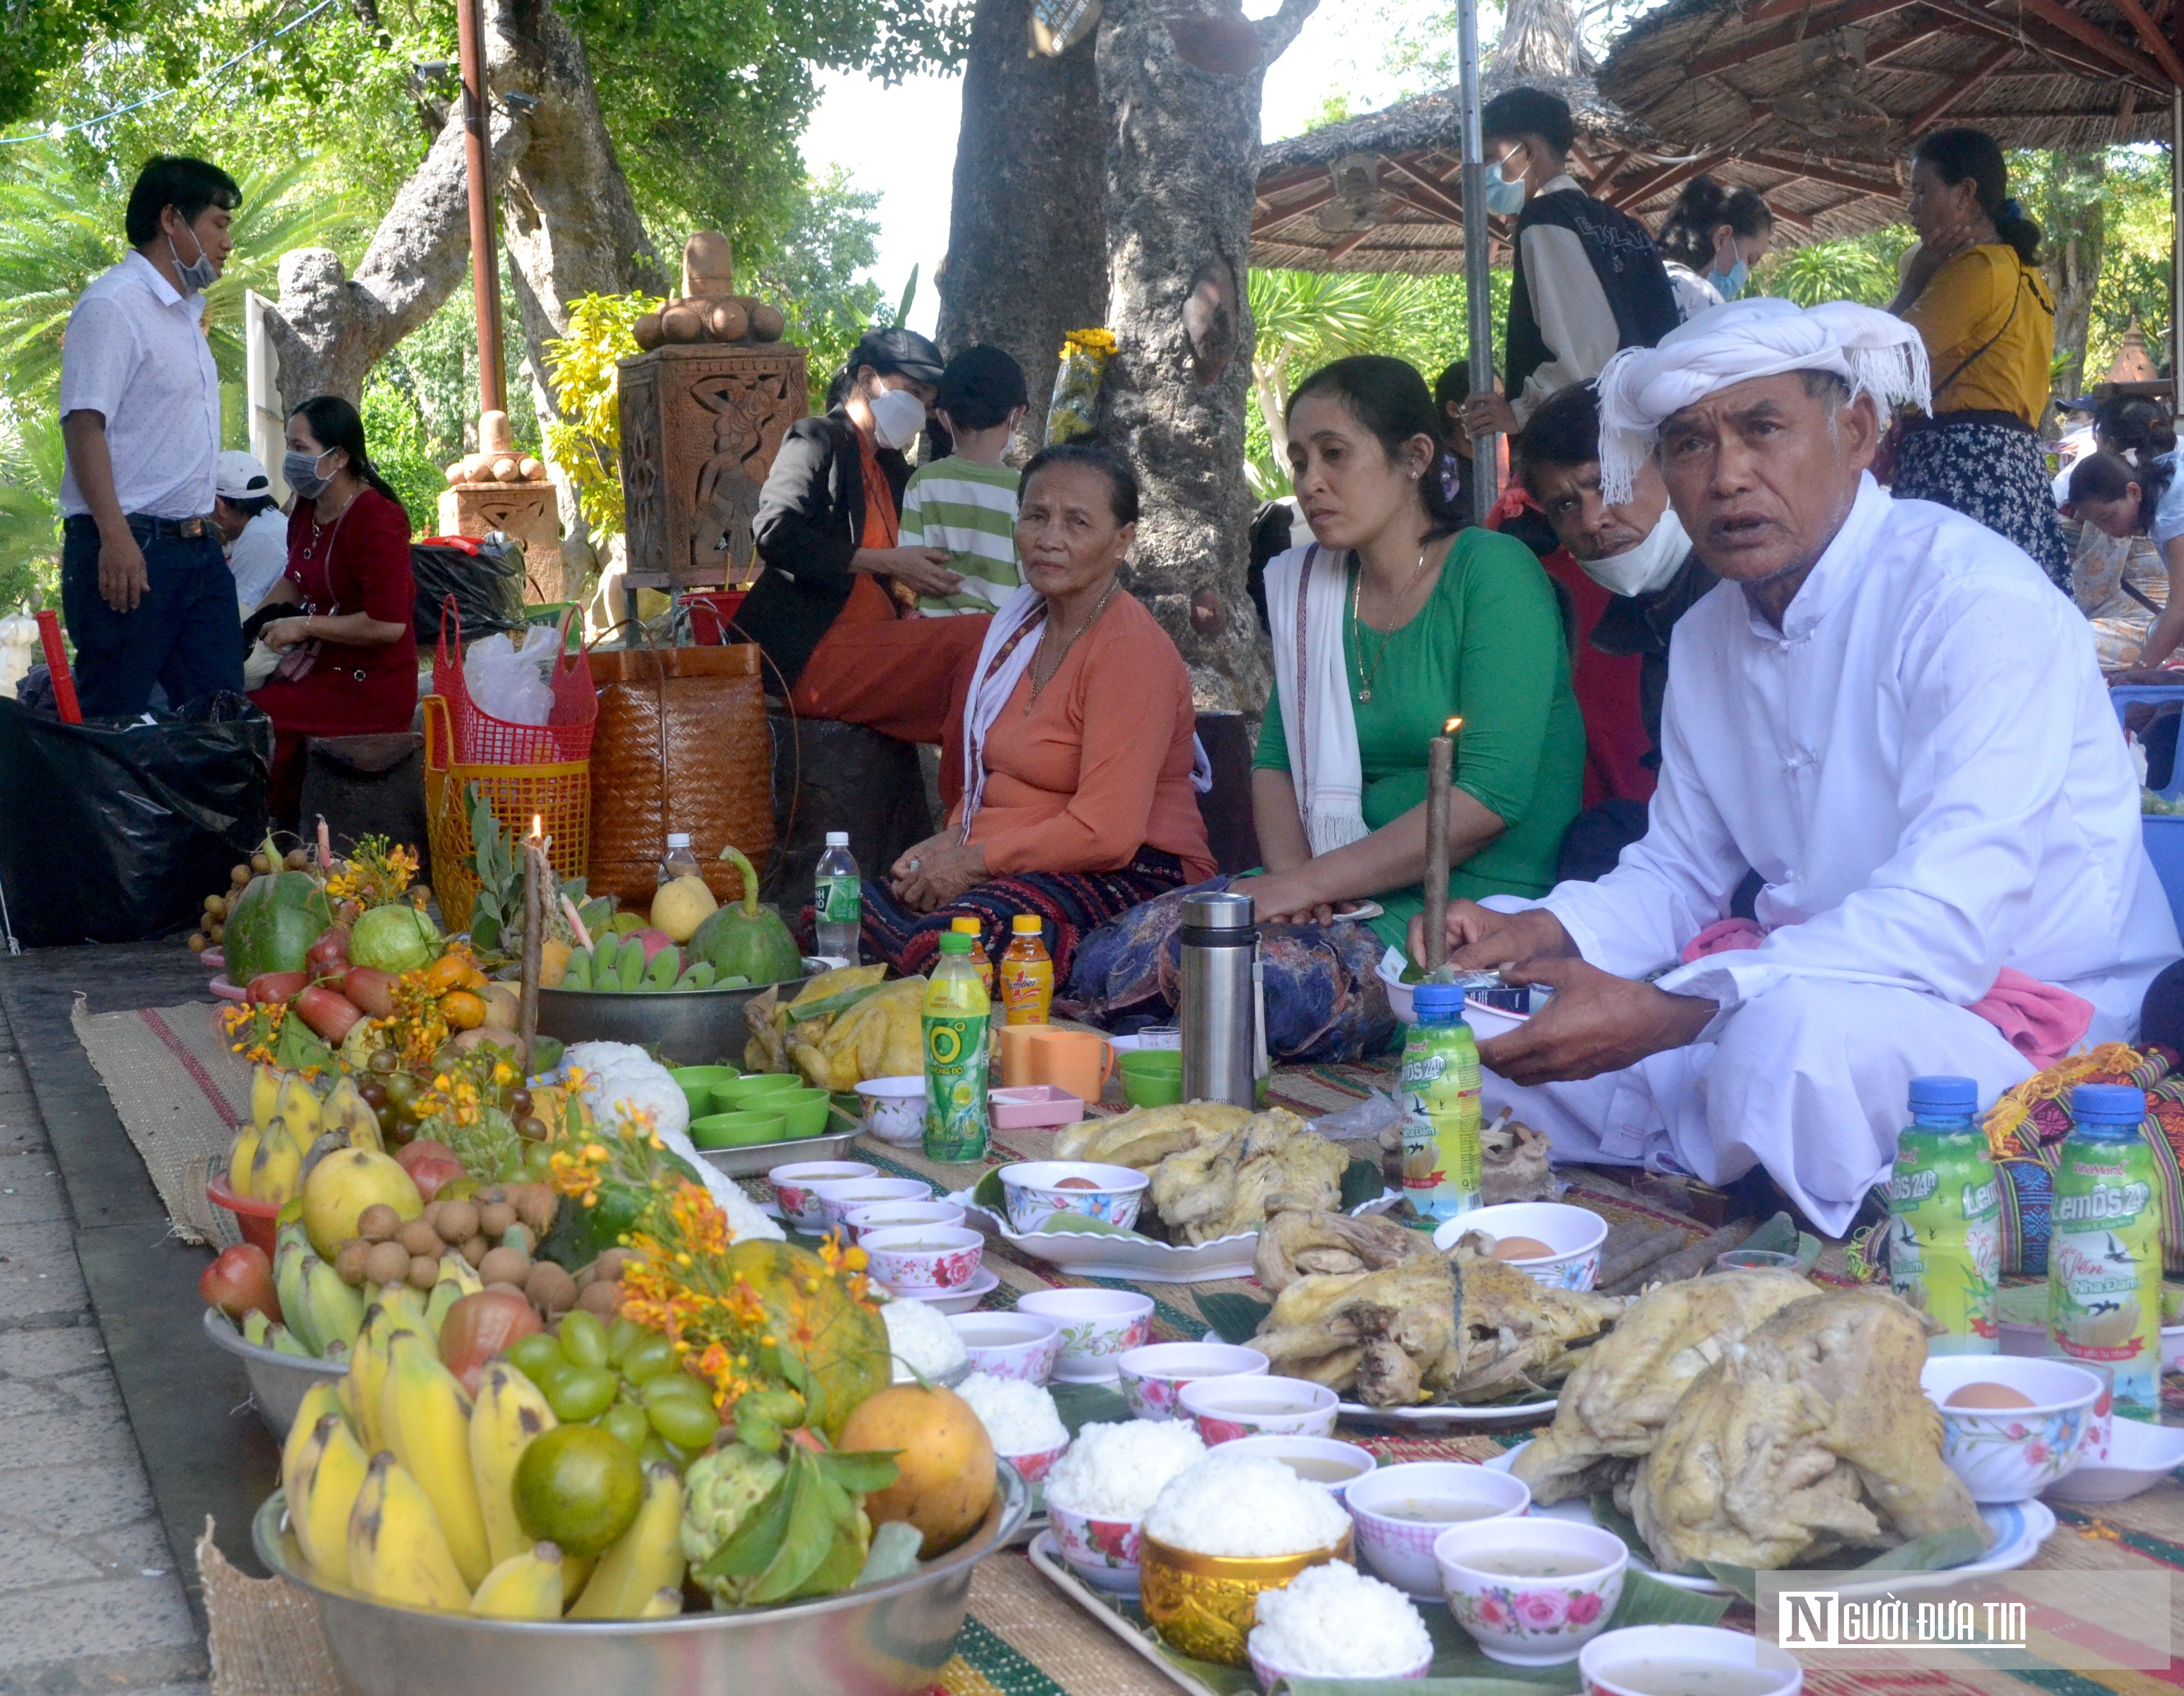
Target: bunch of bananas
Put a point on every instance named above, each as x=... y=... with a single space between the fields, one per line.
x=322 y=1313
x=398 y=1487
x=272 y=1154
x=621 y=964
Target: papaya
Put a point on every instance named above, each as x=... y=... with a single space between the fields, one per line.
x=746 y=940
x=842 y=1341
x=272 y=924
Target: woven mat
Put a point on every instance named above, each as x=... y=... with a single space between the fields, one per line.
x=180 y=1093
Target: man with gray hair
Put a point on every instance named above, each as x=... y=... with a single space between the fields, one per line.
x=1886 y=712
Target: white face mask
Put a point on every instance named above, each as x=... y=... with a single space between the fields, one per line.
x=1649 y=565
x=897 y=417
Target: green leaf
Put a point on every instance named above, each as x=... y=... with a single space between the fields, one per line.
x=1235 y=1316
x=827 y=1006
x=1741 y=1579
x=1778 y=1235
x=1648 y=1601
x=1936 y=1552
x=1362 y=1181
x=755 y=1542
x=808 y=1541
x=1083 y=1404
x=989 y=1194
x=893 y=1553
x=861 y=1473
x=1610 y=1517
x=1096 y=1227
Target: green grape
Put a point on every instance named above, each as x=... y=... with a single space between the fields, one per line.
x=582 y=1392
x=583 y=1338
x=553 y=1374
x=622 y=1336
x=677 y=1387
x=628 y=1423
x=648 y=1359
x=685 y=1423
x=654 y=1449
x=538 y=1163
x=534 y=1354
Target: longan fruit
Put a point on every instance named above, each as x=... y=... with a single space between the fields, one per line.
x=379 y=1221
x=458 y=1221
x=475 y=1250
x=422 y=1242
x=494 y=1218
x=504 y=1266
x=388 y=1263
x=424 y=1272
x=350 y=1260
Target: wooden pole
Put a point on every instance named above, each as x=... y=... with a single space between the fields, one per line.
x=477 y=162
x=1440 y=760
x=1477 y=277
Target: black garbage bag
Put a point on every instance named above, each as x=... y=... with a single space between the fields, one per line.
x=487 y=583
x=112 y=832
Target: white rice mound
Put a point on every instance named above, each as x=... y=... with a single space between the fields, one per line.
x=1332 y=1622
x=921 y=1336
x=1021 y=1418
x=1114 y=1471
x=1248 y=1506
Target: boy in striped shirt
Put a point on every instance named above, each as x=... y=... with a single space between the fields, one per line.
x=967 y=502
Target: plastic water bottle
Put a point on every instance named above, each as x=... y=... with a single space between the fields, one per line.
x=838 y=901
x=1441 y=1157
x=679 y=861
x=1944 y=1217
x=2105 y=1255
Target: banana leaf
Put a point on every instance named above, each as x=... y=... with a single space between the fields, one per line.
x=1235 y=1316
x=1083 y=1404
x=1936 y=1552
x=1361 y=1182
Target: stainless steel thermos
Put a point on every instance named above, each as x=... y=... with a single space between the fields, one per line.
x=1221 y=1014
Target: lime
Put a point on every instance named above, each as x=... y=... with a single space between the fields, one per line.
x=583 y=1338
x=582 y=1392
x=578 y=1486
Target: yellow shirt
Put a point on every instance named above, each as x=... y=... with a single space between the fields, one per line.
x=1970 y=300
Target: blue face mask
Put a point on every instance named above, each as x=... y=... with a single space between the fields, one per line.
x=1503 y=196
x=1731 y=286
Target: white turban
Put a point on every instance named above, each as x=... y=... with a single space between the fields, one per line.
x=1642 y=387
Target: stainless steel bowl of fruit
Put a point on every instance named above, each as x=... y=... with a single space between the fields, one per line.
x=277 y=1379
x=889 y=1639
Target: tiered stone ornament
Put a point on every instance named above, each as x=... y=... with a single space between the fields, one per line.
x=704 y=409
x=497 y=488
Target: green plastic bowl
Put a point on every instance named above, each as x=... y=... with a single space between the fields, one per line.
x=1153 y=1063
x=696 y=1085
x=1152 y=1089
x=736 y=1130
x=807 y=1111
x=739 y=1093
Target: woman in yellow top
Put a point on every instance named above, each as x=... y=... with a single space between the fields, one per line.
x=1973 y=291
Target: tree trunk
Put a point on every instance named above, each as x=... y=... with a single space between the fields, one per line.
x=1180 y=96
x=1027 y=234
x=2074 y=218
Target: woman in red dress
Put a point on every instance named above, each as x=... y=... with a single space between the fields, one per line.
x=348 y=652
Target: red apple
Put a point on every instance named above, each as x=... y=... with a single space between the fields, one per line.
x=239 y=1280
x=423 y=1148
x=433 y=1172
x=481 y=1325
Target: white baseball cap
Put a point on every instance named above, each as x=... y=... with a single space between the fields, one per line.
x=239 y=477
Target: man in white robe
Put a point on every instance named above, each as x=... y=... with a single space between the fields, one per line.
x=1887 y=712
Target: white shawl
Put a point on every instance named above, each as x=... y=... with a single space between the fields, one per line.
x=1306 y=588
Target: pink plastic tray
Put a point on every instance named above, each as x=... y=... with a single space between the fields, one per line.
x=1031 y=1105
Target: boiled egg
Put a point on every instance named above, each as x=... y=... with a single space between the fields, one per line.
x=1526 y=1248
x=1987 y=1397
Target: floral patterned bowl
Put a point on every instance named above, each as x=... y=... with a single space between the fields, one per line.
x=1034 y=1190
x=1618 y=1663
x=1103 y=1552
x=1098 y=1328
x=838 y=1200
x=1520 y=1618
x=1023 y=1346
x=2011 y=1454
x=1574 y=1233
x=1270 y=1673
x=1153 y=1377
x=1207 y=1605
x=1226 y=1410
x=795 y=1190
x=1401 y=1510
x=924 y=1257
x=1035 y=1467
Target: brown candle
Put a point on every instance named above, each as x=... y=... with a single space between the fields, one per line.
x=537 y=879
x=1440 y=762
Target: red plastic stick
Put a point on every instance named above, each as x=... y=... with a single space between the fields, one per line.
x=49 y=633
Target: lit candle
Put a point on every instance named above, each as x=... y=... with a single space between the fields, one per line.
x=1441 y=761
x=537 y=881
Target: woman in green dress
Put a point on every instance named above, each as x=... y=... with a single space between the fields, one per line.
x=1394 y=621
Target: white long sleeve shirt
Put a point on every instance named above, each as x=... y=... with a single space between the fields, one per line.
x=1569 y=306
x=1923 y=765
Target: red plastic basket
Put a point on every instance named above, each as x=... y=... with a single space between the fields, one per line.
x=481 y=739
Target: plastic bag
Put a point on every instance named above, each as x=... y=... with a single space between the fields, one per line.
x=1074 y=410
x=487 y=583
x=111 y=831
x=510 y=683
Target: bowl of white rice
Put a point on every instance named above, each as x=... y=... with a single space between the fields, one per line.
x=1332 y=1622
x=1021 y=1418
x=1097 y=1494
x=923 y=1343
x=1220 y=1534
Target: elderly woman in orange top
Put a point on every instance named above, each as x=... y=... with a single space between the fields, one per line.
x=1079 y=744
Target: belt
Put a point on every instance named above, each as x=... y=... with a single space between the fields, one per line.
x=174 y=529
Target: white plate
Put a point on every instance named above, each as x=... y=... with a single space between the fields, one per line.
x=1096 y=1254
x=1451 y=1418
x=955 y=1301
x=2018 y=1527
x=2140 y=1455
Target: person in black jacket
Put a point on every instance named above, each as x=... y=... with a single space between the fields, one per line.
x=1587 y=279
x=835 y=607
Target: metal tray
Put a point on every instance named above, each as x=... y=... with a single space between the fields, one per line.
x=889 y=1640
x=756 y=1159
x=277 y=1381
x=685 y=1028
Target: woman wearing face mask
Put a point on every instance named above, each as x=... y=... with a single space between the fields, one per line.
x=1709 y=242
x=1394 y=620
x=835 y=607
x=340 y=618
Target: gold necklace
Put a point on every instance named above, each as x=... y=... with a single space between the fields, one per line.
x=1387 y=640
x=1061 y=658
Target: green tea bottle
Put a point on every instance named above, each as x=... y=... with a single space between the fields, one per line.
x=2104 y=1256
x=1441 y=1157
x=1944 y=1217
x=956 y=1015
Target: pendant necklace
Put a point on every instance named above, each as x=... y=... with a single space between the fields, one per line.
x=1036 y=685
x=1387 y=640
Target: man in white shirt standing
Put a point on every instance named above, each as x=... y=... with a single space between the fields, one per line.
x=1587 y=279
x=1885 y=712
x=254 y=531
x=144 y=587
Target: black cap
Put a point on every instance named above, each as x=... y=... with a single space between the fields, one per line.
x=980 y=388
x=895 y=349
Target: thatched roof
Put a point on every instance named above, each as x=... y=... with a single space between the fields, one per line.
x=1384 y=192
x=1850 y=84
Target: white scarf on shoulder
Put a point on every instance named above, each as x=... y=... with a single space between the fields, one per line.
x=1306 y=590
